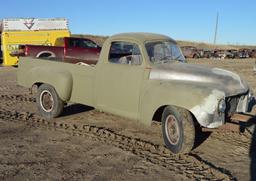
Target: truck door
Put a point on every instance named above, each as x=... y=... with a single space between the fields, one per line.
x=82 y=50
x=121 y=80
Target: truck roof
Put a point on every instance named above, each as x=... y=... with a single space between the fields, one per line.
x=141 y=36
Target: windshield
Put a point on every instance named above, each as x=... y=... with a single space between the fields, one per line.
x=164 y=52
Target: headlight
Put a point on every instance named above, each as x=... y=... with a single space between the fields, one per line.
x=250 y=95
x=222 y=106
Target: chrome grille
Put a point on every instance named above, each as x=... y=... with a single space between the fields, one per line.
x=231 y=105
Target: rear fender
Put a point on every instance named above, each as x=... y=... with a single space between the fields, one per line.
x=61 y=80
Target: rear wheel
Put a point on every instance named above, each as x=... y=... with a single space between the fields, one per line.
x=48 y=102
x=178 y=129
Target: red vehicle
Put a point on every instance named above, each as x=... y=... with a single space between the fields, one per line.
x=68 y=49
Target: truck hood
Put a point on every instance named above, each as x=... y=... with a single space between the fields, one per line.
x=211 y=78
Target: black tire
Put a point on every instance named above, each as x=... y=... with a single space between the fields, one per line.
x=196 y=56
x=46 y=56
x=178 y=130
x=251 y=128
x=48 y=102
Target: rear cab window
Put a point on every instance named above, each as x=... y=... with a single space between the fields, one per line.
x=59 y=42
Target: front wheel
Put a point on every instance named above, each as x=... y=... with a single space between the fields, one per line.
x=178 y=129
x=48 y=102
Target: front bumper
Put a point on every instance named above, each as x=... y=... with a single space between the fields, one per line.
x=234 y=104
x=208 y=115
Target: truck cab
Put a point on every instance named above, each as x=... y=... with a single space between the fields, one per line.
x=80 y=49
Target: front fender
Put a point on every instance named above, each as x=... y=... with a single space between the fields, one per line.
x=60 y=79
x=187 y=96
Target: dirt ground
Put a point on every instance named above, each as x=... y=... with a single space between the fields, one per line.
x=84 y=144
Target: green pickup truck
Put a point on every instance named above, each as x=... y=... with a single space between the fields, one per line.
x=144 y=77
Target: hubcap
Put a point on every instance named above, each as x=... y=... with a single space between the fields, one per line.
x=46 y=101
x=172 y=129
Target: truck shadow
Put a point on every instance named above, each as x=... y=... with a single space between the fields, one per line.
x=200 y=138
x=252 y=151
x=200 y=135
x=253 y=156
x=75 y=109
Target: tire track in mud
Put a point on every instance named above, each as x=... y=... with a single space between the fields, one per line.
x=240 y=143
x=238 y=139
x=18 y=97
x=187 y=165
x=5 y=88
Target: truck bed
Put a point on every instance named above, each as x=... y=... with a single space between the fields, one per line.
x=71 y=61
x=34 y=50
x=59 y=74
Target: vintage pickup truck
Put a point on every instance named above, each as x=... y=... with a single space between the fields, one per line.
x=143 y=77
x=66 y=49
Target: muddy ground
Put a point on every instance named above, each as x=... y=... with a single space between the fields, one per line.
x=84 y=144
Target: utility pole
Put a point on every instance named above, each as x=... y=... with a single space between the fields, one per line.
x=216 y=29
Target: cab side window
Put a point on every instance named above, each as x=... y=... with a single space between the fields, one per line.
x=125 y=53
x=84 y=43
x=81 y=43
x=73 y=43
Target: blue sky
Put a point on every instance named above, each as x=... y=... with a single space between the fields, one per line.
x=192 y=20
